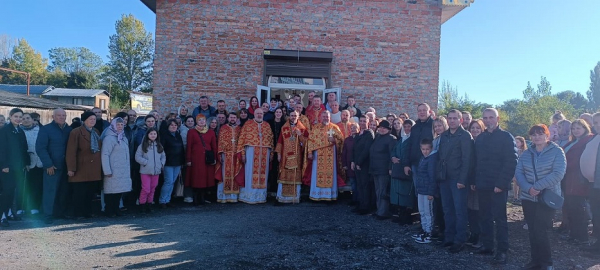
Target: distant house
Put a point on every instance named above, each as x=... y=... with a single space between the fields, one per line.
x=86 y=97
x=34 y=90
x=33 y=103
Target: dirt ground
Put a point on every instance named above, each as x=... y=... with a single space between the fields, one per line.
x=240 y=236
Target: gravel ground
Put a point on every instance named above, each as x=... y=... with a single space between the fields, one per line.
x=240 y=236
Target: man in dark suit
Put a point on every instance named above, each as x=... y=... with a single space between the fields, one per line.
x=360 y=165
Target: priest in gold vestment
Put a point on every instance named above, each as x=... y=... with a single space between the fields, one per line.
x=256 y=148
x=229 y=165
x=302 y=118
x=324 y=155
x=313 y=112
x=290 y=152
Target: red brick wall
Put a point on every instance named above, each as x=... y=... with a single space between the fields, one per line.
x=386 y=52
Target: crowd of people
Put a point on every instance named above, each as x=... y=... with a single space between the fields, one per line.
x=452 y=172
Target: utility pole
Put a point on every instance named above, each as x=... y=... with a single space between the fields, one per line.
x=19 y=72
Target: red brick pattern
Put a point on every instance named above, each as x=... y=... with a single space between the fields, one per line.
x=386 y=52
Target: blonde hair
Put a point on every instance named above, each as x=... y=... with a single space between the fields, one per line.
x=439 y=119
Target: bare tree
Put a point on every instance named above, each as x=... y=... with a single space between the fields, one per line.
x=7 y=43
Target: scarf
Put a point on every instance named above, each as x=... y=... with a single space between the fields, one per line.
x=113 y=127
x=202 y=130
x=27 y=128
x=94 y=139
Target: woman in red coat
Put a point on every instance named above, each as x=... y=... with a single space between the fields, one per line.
x=200 y=175
x=576 y=187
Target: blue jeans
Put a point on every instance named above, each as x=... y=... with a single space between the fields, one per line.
x=454 y=203
x=171 y=173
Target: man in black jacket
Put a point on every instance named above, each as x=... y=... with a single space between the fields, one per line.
x=496 y=161
x=360 y=165
x=381 y=167
x=454 y=154
x=351 y=103
x=423 y=129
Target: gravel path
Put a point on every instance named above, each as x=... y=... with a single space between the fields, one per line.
x=303 y=236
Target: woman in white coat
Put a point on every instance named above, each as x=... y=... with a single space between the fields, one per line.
x=115 y=165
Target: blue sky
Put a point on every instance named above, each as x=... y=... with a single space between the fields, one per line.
x=492 y=48
x=489 y=50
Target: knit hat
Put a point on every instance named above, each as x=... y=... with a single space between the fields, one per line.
x=86 y=115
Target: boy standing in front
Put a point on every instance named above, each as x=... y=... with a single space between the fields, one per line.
x=426 y=188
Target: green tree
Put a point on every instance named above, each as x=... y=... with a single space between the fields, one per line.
x=529 y=92
x=131 y=55
x=449 y=99
x=576 y=99
x=523 y=114
x=593 y=93
x=25 y=58
x=79 y=67
x=78 y=59
x=544 y=88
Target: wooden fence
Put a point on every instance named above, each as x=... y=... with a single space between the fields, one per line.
x=45 y=114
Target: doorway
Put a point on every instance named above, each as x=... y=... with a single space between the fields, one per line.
x=284 y=88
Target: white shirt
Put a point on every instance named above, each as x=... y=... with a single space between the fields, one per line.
x=336 y=117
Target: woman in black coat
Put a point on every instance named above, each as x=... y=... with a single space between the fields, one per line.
x=13 y=160
x=172 y=142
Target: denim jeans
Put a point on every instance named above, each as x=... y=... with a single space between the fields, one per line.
x=171 y=173
x=454 y=204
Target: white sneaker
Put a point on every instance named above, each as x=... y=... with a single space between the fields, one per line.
x=35 y=211
x=526 y=227
x=418 y=235
x=20 y=212
x=188 y=200
x=424 y=239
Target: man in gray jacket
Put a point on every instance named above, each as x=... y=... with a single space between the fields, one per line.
x=455 y=153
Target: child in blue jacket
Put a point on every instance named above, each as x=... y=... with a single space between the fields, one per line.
x=426 y=188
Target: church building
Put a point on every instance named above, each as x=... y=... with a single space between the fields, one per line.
x=383 y=52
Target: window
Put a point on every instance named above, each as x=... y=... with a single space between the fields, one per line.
x=78 y=101
x=103 y=104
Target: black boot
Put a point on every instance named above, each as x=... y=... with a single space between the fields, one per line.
x=149 y=208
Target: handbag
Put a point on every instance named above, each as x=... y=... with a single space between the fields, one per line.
x=179 y=186
x=209 y=155
x=546 y=196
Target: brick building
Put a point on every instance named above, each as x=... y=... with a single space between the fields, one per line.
x=384 y=52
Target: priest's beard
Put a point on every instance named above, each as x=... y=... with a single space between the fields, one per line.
x=325 y=123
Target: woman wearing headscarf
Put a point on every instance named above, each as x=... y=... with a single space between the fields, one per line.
x=13 y=160
x=116 y=166
x=200 y=176
x=84 y=164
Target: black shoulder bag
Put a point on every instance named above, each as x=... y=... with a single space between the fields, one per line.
x=209 y=155
x=546 y=196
